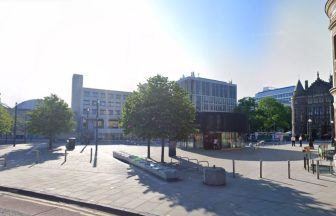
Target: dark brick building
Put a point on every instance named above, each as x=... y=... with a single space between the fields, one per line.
x=313 y=102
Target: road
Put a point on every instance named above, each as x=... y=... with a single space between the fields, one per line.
x=17 y=205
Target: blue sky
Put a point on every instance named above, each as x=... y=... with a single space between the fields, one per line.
x=117 y=44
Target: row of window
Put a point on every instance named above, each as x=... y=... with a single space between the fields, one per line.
x=209 y=88
x=318 y=100
x=103 y=95
x=111 y=123
x=102 y=103
x=102 y=112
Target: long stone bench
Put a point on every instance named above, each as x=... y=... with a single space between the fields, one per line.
x=159 y=170
x=2 y=162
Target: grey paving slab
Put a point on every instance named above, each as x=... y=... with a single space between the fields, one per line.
x=114 y=183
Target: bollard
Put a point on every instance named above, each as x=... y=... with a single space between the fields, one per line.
x=261 y=169
x=91 y=155
x=304 y=162
x=289 y=170
x=330 y=167
x=5 y=160
x=65 y=155
x=233 y=169
x=37 y=156
x=318 y=169
x=308 y=163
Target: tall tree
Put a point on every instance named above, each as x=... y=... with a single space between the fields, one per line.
x=159 y=109
x=273 y=114
x=50 y=118
x=248 y=106
x=6 y=121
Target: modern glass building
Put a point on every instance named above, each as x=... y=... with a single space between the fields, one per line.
x=90 y=104
x=210 y=95
x=283 y=95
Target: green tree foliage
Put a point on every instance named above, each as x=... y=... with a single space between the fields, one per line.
x=273 y=115
x=50 y=118
x=159 y=109
x=6 y=121
x=267 y=115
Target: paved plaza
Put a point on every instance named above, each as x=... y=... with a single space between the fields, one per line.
x=115 y=184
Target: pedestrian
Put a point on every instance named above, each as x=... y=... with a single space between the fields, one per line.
x=300 y=140
x=293 y=140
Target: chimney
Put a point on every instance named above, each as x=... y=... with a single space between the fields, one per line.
x=306 y=84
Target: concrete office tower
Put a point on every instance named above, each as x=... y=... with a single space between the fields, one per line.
x=210 y=95
x=109 y=107
x=330 y=10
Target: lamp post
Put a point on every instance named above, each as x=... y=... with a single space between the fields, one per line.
x=96 y=152
x=310 y=133
x=14 y=130
x=87 y=126
x=332 y=133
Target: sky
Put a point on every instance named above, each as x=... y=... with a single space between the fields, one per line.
x=118 y=44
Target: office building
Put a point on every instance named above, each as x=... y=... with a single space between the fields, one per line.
x=210 y=95
x=90 y=104
x=283 y=95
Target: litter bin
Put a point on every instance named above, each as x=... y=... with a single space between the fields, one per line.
x=172 y=149
x=70 y=145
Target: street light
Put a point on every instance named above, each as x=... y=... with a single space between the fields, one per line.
x=87 y=126
x=310 y=134
x=96 y=152
x=332 y=132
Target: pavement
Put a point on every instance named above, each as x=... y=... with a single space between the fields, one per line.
x=115 y=184
x=17 y=205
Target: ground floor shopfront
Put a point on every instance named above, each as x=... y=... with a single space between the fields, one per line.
x=220 y=130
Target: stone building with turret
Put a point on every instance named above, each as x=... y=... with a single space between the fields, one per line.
x=313 y=102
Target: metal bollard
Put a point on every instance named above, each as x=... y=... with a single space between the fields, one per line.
x=318 y=169
x=289 y=170
x=5 y=160
x=308 y=164
x=65 y=155
x=91 y=155
x=261 y=169
x=233 y=169
x=304 y=162
x=37 y=156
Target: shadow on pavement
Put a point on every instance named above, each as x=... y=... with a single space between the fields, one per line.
x=248 y=154
x=241 y=196
x=23 y=157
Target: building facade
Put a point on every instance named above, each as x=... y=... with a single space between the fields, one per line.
x=330 y=10
x=97 y=106
x=313 y=103
x=283 y=95
x=210 y=95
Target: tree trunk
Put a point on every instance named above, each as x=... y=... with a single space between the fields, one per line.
x=148 y=148
x=162 y=150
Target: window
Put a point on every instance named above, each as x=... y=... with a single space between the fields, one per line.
x=113 y=123
x=86 y=94
x=94 y=94
x=94 y=103
x=110 y=96
x=102 y=95
x=102 y=103
x=118 y=112
x=110 y=104
x=94 y=111
x=118 y=96
x=110 y=112
x=124 y=97
x=86 y=102
x=103 y=112
x=100 y=123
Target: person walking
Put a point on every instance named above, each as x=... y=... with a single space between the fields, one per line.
x=300 y=140
x=293 y=140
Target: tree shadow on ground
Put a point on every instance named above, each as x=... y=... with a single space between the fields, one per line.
x=18 y=157
x=248 y=154
x=241 y=196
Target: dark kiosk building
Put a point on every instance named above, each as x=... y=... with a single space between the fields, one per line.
x=312 y=109
x=228 y=129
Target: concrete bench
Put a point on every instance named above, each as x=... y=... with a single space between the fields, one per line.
x=214 y=176
x=3 y=162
